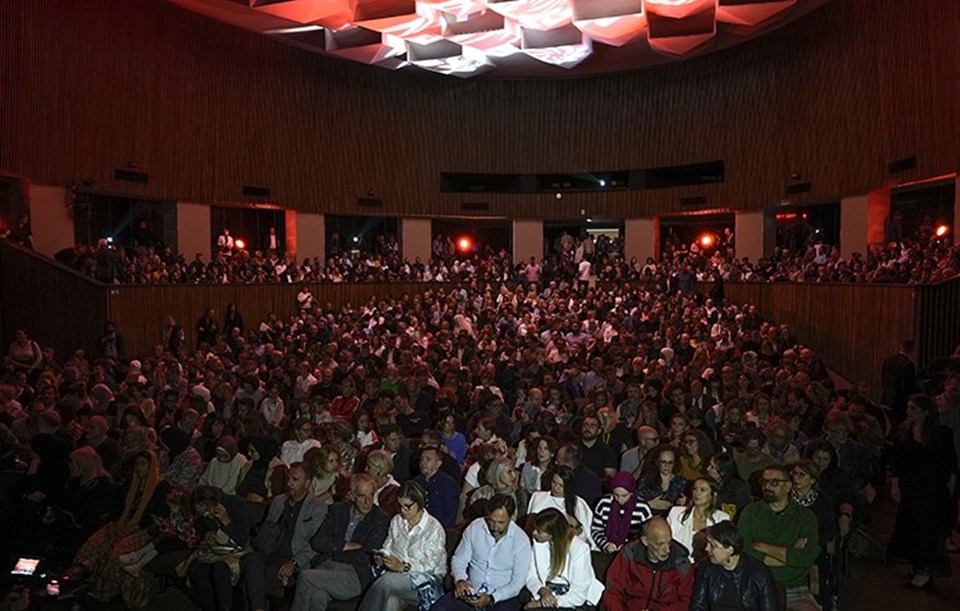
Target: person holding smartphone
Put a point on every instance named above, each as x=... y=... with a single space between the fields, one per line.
x=413 y=555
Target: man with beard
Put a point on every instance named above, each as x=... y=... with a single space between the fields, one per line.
x=491 y=562
x=783 y=535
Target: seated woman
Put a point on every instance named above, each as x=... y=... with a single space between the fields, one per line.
x=143 y=500
x=619 y=515
x=181 y=463
x=223 y=525
x=176 y=533
x=330 y=484
x=265 y=475
x=413 y=555
x=541 y=462
x=807 y=493
x=734 y=493
x=660 y=486
x=501 y=478
x=700 y=512
x=563 y=496
x=695 y=452
x=87 y=498
x=561 y=572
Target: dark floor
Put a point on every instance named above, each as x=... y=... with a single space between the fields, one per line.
x=872 y=584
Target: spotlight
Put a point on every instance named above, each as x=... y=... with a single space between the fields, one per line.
x=603 y=183
x=559 y=195
x=239 y=244
x=356 y=239
x=109 y=240
x=464 y=244
x=942 y=230
x=707 y=240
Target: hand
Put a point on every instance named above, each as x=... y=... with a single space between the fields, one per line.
x=221 y=514
x=462 y=588
x=611 y=548
x=36 y=496
x=349 y=547
x=844 y=524
x=547 y=599
x=800 y=543
x=287 y=569
x=480 y=602
x=210 y=537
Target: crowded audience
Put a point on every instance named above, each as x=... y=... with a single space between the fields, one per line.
x=917 y=260
x=524 y=430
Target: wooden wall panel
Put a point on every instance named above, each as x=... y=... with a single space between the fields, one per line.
x=852 y=326
x=205 y=108
x=57 y=306
x=938 y=321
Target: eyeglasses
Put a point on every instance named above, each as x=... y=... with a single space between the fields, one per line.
x=406 y=506
x=772 y=483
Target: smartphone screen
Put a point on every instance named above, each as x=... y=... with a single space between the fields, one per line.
x=25 y=566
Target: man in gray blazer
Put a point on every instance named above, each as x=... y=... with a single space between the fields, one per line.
x=282 y=546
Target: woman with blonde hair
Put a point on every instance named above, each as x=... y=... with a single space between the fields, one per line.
x=561 y=573
x=330 y=483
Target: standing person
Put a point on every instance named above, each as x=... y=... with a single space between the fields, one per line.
x=899 y=380
x=924 y=464
x=491 y=563
x=561 y=573
x=652 y=573
x=784 y=536
x=352 y=531
x=732 y=579
x=207 y=328
x=413 y=555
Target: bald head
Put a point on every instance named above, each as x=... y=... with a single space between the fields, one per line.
x=657 y=537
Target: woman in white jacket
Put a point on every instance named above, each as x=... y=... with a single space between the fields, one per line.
x=563 y=497
x=561 y=574
x=699 y=513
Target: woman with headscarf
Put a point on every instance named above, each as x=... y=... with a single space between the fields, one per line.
x=182 y=465
x=144 y=498
x=501 y=478
x=265 y=475
x=223 y=472
x=619 y=515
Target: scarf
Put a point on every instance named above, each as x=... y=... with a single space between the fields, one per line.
x=621 y=516
x=140 y=492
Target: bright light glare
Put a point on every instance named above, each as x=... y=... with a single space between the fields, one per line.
x=603 y=183
x=706 y=240
x=240 y=244
x=464 y=244
x=942 y=231
x=356 y=239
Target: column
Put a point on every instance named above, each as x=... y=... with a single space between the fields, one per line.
x=311 y=237
x=415 y=235
x=641 y=239
x=193 y=231
x=878 y=211
x=750 y=234
x=853 y=225
x=50 y=220
x=527 y=240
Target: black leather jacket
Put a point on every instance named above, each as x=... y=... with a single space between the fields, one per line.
x=752 y=579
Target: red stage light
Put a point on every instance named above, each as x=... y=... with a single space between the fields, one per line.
x=942 y=231
x=706 y=240
x=464 y=244
x=239 y=244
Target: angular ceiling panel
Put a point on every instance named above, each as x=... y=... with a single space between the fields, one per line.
x=466 y=38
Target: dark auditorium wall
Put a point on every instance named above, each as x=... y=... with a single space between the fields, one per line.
x=205 y=108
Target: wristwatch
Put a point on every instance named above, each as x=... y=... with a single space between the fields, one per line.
x=406 y=567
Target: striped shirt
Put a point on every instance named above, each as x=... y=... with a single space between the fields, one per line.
x=601 y=515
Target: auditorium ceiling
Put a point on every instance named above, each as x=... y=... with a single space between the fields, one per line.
x=508 y=38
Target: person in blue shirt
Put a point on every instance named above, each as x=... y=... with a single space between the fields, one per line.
x=491 y=563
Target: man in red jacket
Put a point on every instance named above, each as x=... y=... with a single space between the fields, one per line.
x=652 y=574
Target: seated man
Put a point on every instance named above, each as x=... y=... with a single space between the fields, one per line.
x=282 y=547
x=653 y=573
x=732 y=580
x=350 y=534
x=491 y=563
x=443 y=493
x=783 y=535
